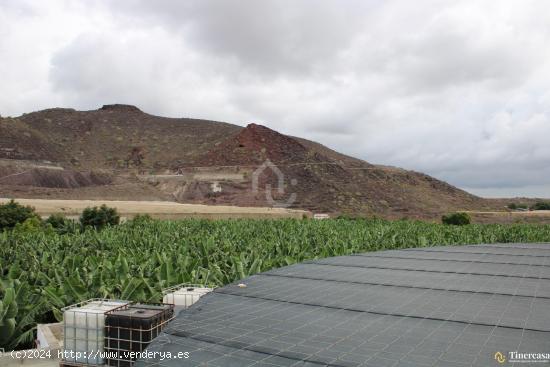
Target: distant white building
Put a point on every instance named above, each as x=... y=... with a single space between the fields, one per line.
x=321 y=216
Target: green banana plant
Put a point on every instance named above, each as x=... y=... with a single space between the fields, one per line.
x=43 y=271
x=8 y=312
x=17 y=316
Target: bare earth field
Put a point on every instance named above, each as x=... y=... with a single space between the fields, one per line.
x=159 y=209
x=506 y=217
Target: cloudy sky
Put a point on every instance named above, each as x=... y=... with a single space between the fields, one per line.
x=456 y=89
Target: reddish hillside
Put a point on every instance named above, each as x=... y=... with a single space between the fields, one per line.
x=256 y=143
x=320 y=179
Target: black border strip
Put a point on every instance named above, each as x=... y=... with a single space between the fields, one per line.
x=426 y=271
x=545 y=245
x=454 y=260
x=400 y=286
x=423 y=249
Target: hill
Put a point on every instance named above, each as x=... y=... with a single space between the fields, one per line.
x=111 y=137
x=120 y=152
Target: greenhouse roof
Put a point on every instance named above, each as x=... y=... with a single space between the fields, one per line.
x=437 y=306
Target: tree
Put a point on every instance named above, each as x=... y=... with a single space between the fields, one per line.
x=13 y=213
x=457 y=219
x=520 y=206
x=541 y=205
x=99 y=217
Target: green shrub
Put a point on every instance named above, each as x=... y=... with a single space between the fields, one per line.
x=13 y=213
x=140 y=219
x=99 y=217
x=56 y=220
x=541 y=205
x=60 y=223
x=33 y=224
x=457 y=219
x=514 y=206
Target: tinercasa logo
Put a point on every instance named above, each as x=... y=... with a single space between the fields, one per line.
x=499 y=357
x=519 y=357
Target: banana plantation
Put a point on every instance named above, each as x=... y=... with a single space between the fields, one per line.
x=43 y=270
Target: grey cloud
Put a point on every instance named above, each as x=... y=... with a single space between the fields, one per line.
x=271 y=36
x=456 y=89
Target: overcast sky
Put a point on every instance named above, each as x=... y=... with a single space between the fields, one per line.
x=457 y=89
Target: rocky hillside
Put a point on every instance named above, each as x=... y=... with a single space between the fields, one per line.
x=120 y=152
x=112 y=137
x=324 y=180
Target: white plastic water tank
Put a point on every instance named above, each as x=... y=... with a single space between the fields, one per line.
x=184 y=295
x=84 y=327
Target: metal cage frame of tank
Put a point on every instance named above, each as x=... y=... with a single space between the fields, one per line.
x=111 y=352
x=175 y=288
x=64 y=361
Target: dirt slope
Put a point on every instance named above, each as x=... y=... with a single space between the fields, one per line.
x=117 y=137
x=326 y=181
x=20 y=141
x=52 y=178
x=114 y=151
